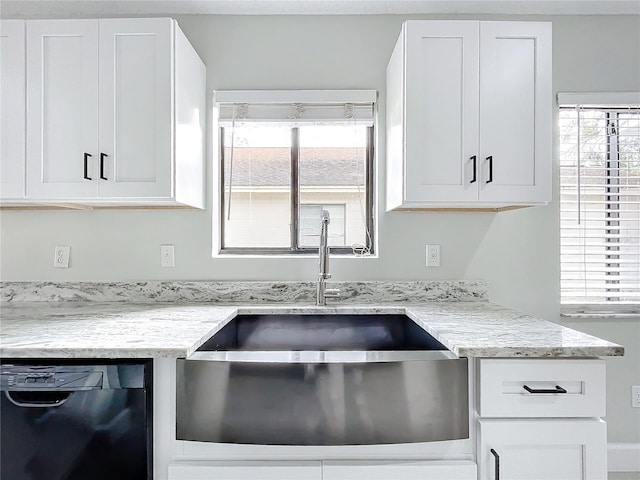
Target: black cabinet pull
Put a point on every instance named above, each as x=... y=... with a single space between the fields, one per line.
x=496 y=463
x=558 y=389
x=102 y=157
x=473 y=180
x=86 y=166
x=490 y=160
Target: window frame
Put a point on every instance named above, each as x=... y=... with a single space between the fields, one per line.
x=612 y=306
x=295 y=248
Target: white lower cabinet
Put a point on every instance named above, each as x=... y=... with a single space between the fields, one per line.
x=535 y=419
x=539 y=419
x=536 y=449
x=325 y=470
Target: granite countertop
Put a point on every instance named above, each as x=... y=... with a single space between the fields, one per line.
x=143 y=330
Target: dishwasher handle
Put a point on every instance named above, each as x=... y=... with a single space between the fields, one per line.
x=41 y=399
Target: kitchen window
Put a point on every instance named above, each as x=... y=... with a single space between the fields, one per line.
x=283 y=161
x=600 y=208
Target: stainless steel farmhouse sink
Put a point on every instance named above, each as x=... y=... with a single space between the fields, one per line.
x=322 y=379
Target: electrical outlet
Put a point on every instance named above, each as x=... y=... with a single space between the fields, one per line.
x=433 y=255
x=61 y=256
x=635 y=396
x=167 y=256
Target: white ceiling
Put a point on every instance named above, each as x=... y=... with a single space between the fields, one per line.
x=80 y=8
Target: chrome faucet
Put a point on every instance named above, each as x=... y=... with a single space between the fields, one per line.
x=322 y=292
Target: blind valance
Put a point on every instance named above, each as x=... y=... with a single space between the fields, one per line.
x=296 y=107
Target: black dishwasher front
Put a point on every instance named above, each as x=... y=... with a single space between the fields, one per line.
x=76 y=420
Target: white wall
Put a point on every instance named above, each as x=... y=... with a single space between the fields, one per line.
x=517 y=251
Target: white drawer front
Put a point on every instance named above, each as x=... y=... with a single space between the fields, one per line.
x=246 y=471
x=502 y=392
x=399 y=470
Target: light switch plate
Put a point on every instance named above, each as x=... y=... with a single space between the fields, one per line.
x=167 y=256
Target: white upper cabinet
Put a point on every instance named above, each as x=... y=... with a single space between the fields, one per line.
x=469 y=115
x=106 y=123
x=12 y=108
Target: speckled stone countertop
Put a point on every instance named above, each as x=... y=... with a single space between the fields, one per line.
x=128 y=330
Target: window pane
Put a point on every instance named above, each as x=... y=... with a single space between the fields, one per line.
x=257 y=187
x=333 y=177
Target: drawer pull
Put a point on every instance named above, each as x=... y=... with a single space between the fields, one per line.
x=558 y=389
x=497 y=464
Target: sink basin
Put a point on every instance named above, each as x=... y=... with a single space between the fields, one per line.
x=322 y=379
x=322 y=332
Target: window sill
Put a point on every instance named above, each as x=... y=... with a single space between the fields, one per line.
x=600 y=311
x=281 y=256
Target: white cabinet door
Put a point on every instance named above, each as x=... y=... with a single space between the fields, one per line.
x=515 y=112
x=534 y=449
x=399 y=470
x=246 y=471
x=136 y=102
x=62 y=108
x=441 y=111
x=12 y=108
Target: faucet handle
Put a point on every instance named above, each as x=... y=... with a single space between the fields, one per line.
x=332 y=292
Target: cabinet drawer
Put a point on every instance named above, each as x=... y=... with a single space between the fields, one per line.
x=399 y=470
x=541 y=388
x=245 y=471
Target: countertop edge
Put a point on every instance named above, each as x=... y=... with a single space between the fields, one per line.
x=445 y=322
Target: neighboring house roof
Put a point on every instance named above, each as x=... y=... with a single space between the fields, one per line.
x=271 y=166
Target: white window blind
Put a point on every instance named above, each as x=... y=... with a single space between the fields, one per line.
x=600 y=208
x=296 y=108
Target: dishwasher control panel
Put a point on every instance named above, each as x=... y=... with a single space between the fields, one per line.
x=49 y=378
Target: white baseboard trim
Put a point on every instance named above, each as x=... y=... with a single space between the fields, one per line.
x=623 y=457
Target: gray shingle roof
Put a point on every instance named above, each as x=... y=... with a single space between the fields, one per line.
x=271 y=166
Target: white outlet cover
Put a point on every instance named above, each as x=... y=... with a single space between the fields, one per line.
x=61 y=256
x=433 y=255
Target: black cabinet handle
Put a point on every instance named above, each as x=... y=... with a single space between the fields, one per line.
x=42 y=399
x=490 y=160
x=558 y=389
x=473 y=180
x=102 y=157
x=86 y=166
x=496 y=463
